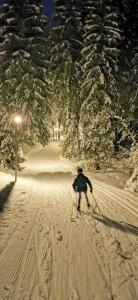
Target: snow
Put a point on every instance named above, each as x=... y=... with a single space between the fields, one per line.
x=2 y=53
x=47 y=161
x=43 y=255
x=132 y=182
x=25 y=53
x=10 y=20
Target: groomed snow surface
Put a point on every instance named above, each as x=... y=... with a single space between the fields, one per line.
x=46 y=253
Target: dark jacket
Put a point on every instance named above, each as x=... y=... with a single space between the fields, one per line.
x=80 y=183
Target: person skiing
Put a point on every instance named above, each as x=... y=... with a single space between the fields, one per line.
x=80 y=186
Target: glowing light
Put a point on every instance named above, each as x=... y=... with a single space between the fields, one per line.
x=17 y=119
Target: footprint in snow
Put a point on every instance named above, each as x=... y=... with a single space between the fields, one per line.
x=75 y=295
x=60 y=236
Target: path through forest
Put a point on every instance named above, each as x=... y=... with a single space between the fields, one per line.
x=43 y=255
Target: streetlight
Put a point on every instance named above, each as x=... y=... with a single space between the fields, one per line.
x=17 y=120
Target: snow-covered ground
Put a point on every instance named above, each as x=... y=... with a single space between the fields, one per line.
x=46 y=253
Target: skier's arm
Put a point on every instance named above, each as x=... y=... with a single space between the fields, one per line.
x=89 y=183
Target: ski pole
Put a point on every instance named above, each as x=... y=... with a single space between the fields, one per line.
x=97 y=205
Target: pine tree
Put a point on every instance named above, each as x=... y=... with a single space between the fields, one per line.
x=97 y=134
x=25 y=85
x=71 y=146
x=100 y=60
x=131 y=15
x=128 y=91
x=66 y=55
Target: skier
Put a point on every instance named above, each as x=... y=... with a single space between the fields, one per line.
x=80 y=185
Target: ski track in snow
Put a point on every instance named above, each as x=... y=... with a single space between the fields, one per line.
x=43 y=255
x=129 y=204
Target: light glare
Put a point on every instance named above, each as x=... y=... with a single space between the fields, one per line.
x=17 y=119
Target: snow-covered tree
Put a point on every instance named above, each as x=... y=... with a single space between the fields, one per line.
x=25 y=84
x=132 y=182
x=71 y=145
x=66 y=55
x=127 y=107
x=132 y=14
x=96 y=130
x=100 y=60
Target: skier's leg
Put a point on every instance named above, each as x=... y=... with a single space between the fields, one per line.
x=87 y=200
x=79 y=200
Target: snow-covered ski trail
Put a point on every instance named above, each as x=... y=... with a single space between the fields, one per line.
x=26 y=253
x=131 y=205
x=43 y=255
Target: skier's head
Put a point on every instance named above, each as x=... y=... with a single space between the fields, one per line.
x=80 y=171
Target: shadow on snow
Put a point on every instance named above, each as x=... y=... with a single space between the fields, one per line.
x=4 y=195
x=120 y=225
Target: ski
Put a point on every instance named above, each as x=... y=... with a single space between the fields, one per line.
x=78 y=213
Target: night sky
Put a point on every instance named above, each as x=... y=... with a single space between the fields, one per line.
x=48 y=6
